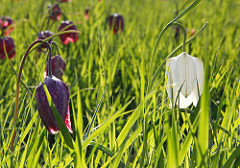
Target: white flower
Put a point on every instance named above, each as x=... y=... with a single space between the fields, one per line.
x=185 y=80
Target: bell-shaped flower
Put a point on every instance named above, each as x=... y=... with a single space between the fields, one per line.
x=58 y=65
x=116 y=23
x=68 y=37
x=55 y=12
x=185 y=76
x=9 y=46
x=60 y=97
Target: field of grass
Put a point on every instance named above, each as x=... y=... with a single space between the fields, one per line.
x=119 y=105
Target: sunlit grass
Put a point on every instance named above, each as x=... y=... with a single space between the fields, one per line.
x=119 y=106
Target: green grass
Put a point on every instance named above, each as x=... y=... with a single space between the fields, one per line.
x=118 y=101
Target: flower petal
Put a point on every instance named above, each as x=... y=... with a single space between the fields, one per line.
x=172 y=88
x=185 y=73
x=68 y=121
x=185 y=102
x=200 y=80
x=199 y=73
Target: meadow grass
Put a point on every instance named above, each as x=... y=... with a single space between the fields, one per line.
x=118 y=101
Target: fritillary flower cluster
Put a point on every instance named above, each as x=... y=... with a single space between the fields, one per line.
x=55 y=13
x=53 y=72
x=56 y=66
x=7 y=45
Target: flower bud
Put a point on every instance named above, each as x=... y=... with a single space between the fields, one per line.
x=57 y=66
x=60 y=97
x=10 y=47
x=68 y=37
x=116 y=23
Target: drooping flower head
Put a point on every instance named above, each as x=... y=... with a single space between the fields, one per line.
x=55 y=12
x=42 y=35
x=10 y=47
x=185 y=75
x=5 y=22
x=116 y=23
x=68 y=37
x=57 y=65
x=60 y=97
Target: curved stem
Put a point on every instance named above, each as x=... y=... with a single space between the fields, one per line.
x=174 y=51
x=49 y=72
x=192 y=6
x=18 y=84
x=55 y=44
x=184 y=33
x=44 y=20
x=8 y=60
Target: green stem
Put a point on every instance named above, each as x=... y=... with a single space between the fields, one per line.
x=44 y=20
x=18 y=85
x=5 y=52
x=184 y=34
x=193 y=5
x=55 y=44
x=173 y=52
x=49 y=72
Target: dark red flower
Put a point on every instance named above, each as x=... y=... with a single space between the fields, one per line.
x=87 y=14
x=116 y=23
x=10 y=47
x=65 y=1
x=60 y=97
x=5 y=23
x=42 y=35
x=55 y=12
x=68 y=37
x=58 y=65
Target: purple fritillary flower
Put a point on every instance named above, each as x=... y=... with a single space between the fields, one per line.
x=10 y=47
x=58 y=65
x=68 y=37
x=116 y=23
x=60 y=97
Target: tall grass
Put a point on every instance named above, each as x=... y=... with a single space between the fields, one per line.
x=118 y=102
